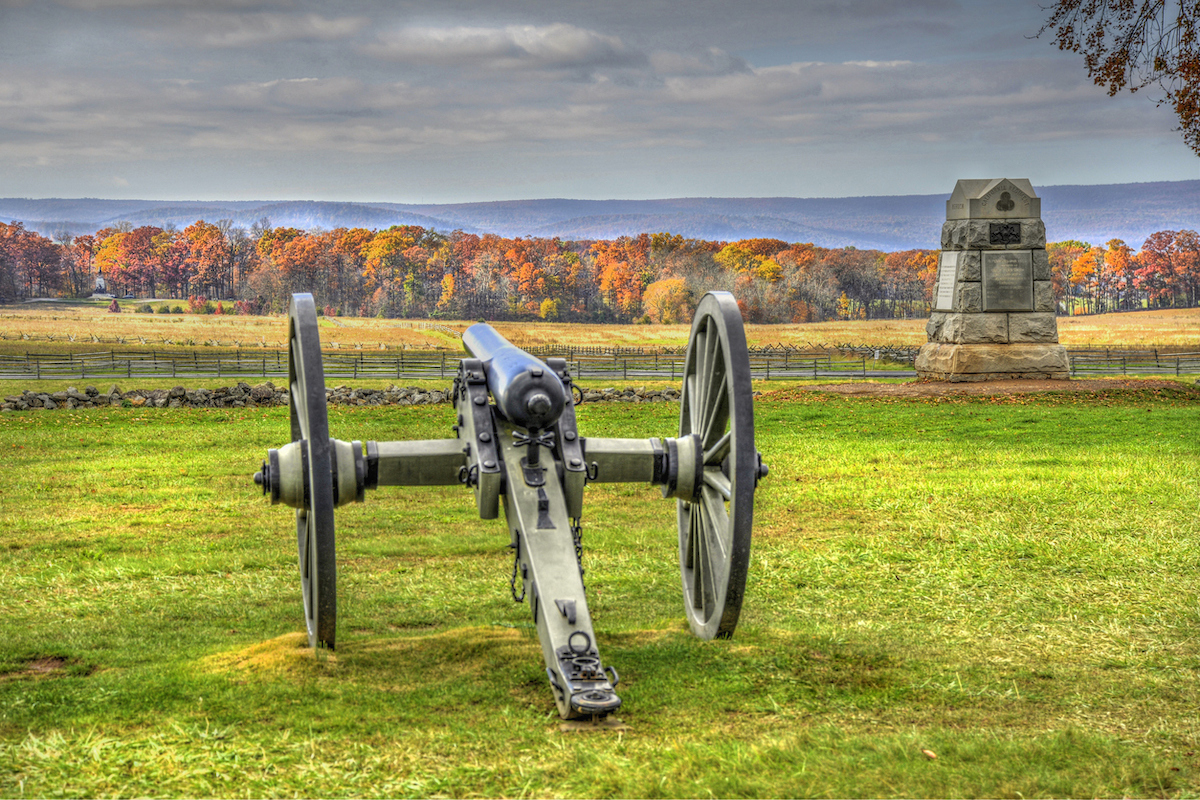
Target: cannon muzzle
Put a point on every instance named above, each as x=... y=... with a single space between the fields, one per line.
x=526 y=391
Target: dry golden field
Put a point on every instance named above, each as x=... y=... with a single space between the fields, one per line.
x=53 y=325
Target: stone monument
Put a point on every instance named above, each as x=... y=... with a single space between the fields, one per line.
x=993 y=305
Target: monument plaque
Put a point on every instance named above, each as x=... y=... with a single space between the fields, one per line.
x=947 y=275
x=1008 y=280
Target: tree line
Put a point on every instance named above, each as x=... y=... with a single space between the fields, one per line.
x=411 y=272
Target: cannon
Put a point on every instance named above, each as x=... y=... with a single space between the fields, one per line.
x=516 y=445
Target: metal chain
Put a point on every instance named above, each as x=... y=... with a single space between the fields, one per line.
x=512 y=582
x=577 y=537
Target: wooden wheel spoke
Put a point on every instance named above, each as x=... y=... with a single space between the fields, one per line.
x=715 y=418
x=693 y=409
x=713 y=456
x=716 y=479
x=708 y=365
x=708 y=581
x=297 y=395
x=690 y=551
x=304 y=539
x=717 y=519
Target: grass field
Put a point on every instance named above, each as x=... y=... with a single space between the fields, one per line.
x=1007 y=583
x=1174 y=329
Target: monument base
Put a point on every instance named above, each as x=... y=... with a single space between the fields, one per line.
x=988 y=362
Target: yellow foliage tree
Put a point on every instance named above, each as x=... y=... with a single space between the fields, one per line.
x=549 y=310
x=738 y=258
x=770 y=270
x=667 y=301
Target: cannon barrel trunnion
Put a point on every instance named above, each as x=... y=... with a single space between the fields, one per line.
x=517 y=446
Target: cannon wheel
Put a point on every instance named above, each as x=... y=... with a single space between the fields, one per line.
x=714 y=528
x=310 y=424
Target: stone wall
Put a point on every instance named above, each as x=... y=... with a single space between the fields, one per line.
x=267 y=394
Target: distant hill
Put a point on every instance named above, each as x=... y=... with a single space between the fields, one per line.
x=1095 y=214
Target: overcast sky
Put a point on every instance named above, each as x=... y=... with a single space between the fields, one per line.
x=467 y=100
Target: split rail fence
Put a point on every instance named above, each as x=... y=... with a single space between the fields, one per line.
x=611 y=364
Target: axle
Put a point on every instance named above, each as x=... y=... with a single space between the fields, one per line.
x=672 y=463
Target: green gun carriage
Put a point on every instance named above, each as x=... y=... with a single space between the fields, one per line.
x=516 y=445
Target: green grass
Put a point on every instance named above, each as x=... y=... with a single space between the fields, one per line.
x=1008 y=583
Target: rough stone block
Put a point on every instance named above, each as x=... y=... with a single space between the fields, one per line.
x=968 y=297
x=979 y=235
x=968 y=266
x=1023 y=328
x=1041 y=265
x=975 y=329
x=933 y=327
x=1043 y=293
x=940 y=361
x=954 y=233
x=1033 y=234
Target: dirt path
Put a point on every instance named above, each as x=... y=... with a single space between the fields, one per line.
x=968 y=389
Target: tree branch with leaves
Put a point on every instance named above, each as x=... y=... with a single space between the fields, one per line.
x=1134 y=44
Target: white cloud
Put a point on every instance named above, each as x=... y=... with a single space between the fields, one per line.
x=557 y=46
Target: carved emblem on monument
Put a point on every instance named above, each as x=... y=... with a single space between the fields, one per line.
x=1004 y=232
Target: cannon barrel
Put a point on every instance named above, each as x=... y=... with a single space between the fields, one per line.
x=526 y=391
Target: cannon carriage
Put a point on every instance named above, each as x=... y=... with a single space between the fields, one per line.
x=517 y=445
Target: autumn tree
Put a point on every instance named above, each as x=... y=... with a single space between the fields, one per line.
x=141 y=260
x=1085 y=277
x=809 y=287
x=346 y=281
x=388 y=268
x=859 y=273
x=1169 y=268
x=1133 y=44
x=1062 y=257
x=622 y=267
x=110 y=260
x=1120 y=264
x=9 y=255
x=907 y=281
x=77 y=261
x=668 y=301
x=692 y=260
x=207 y=256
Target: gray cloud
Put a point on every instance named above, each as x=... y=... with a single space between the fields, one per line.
x=712 y=61
x=106 y=5
x=503 y=99
x=555 y=46
x=797 y=103
x=222 y=30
